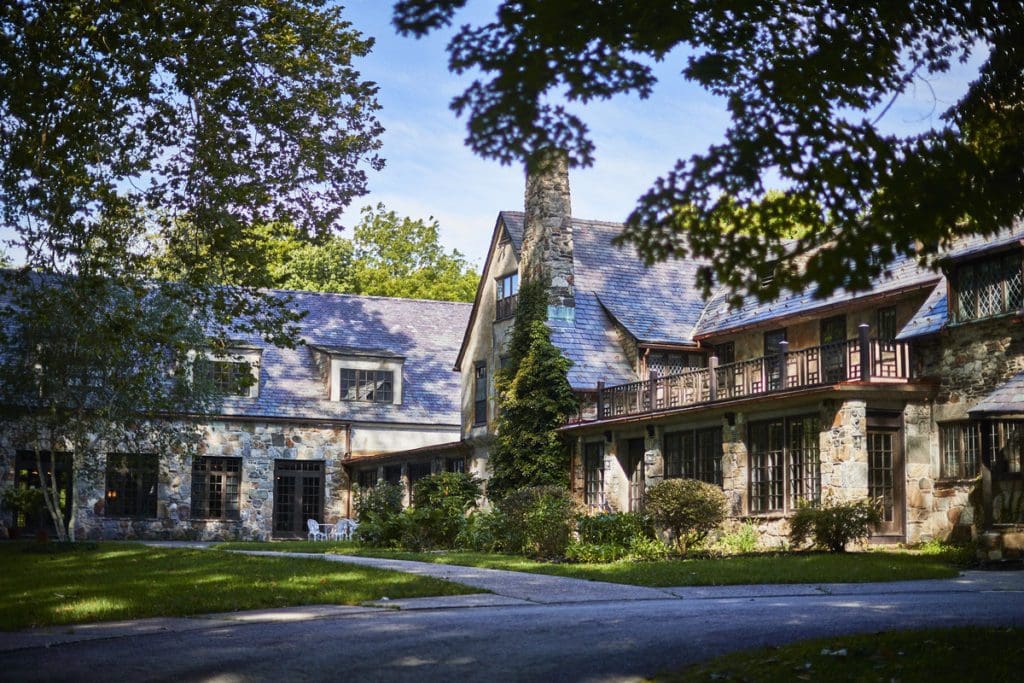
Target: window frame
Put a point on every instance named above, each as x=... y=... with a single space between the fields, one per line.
x=991 y=270
x=202 y=472
x=694 y=454
x=379 y=379
x=480 y=393
x=141 y=471
x=771 y=484
x=593 y=474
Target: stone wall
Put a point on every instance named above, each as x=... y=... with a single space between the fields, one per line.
x=258 y=444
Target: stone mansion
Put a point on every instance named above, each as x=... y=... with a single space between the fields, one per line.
x=911 y=393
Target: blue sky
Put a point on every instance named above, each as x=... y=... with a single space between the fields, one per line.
x=430 y=171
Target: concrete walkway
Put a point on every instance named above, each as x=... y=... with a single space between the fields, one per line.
x=506 y=589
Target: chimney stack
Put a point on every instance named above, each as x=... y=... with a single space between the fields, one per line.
x=547 y=234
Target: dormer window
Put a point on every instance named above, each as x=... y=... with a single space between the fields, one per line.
x=373 y=386
x=360 y=375
x=987 y=287
x=233 y=373
x=506 y=293
x=766 y=274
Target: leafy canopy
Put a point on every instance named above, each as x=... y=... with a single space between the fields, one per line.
x=807 y=87
x=388 y=255
x=122 y=120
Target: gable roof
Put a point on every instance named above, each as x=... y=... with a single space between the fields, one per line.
x=903 y=274
x=1006 y=399
x=423 y=333
x=933 y=316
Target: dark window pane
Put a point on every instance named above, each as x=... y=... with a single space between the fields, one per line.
x=593 y=466
x=131 y=485
x=374 y=386
x=216 y=488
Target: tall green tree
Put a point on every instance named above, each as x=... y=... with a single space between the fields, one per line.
x=807 y=87
x=120 y=120
x=388 y=255
x=400 y=256
x=535 y=399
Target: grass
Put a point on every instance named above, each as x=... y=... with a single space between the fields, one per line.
x=957 y=654
x=45 y=585
x=743 y=569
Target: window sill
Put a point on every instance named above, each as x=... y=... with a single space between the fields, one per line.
x=213 y=519
x=997 y=316
x=134 y=518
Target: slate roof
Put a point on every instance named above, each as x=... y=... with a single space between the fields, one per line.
x=425 y=333
x=902 y=274
x=656 y=304
x=933 y=314
x=1008 y=398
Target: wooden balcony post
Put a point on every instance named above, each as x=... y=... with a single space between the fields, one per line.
x=783 y=363
x=713 y=378
x=865 y=352
x=600 y=400
x=652 y=389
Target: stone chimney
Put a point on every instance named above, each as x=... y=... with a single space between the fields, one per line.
x=547 y=234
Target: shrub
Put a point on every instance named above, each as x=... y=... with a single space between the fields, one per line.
x=742 y=539
x=637 y=549
x=688 y=509
x=538 y=521
x=379 y=512
x=832 y=525
x=448 y=496
x=484 y=531
x=616 y=528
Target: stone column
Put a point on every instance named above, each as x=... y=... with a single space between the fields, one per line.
x=547 y=252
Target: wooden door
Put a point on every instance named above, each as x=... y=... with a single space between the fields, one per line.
x=833 y=352
x=885 y=479
x=773 y=359
x=298 y=496
x=635 y=470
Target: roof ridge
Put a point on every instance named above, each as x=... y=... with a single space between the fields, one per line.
x=368 y=296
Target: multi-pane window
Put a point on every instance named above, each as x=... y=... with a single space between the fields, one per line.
x=1004 y=440
x=506 y=290
x=803 y=459
x=416 y=471
x=480 y=393
x=393 y=474
x=593 y=469
x=455 y=465
x=228 y=377
x=886 y=324
x=366 y=479
x=988 y=287
x=959 y=450
x=785 y=463
x=216 y=487
x=131 y=485
x=667 y=363
x=54 y=474
x=694 y=455
x=725 y=352
x=374 y=386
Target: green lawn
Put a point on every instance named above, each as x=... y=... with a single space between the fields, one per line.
x=748 y=569
x=955 y=655
x=51 y=584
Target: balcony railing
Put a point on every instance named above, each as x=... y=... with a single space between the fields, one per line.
x=506 y=308
x=847 y=361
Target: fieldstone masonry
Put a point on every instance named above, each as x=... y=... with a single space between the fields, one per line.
x=547 y=250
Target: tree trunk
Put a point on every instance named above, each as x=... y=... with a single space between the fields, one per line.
x=51 y=494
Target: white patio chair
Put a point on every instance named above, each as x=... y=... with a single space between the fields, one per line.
x=343 y=529
x=314 y=530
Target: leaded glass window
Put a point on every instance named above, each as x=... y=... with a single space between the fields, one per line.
x=373 y=386
x=988 y=287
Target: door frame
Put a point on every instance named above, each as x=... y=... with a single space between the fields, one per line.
x=635 y=463
x=890 y=423
x=299 y=529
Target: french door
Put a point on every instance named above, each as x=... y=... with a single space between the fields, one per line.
x=885 y=479
x=635 y=470
x=298 y=495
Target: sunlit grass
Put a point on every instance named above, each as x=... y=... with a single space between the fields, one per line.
x=958 y=654
x=112 y=581
x=757 y=568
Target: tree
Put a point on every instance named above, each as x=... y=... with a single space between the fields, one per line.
x=536 y=399
x=388 y=255
x=402 y=257
x=91 y=367
x=807 y=87
x=121 y=120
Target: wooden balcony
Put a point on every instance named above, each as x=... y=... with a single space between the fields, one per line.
x=506 y=308
x=854 y=360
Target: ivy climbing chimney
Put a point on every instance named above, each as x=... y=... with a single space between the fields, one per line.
x=547 y=234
